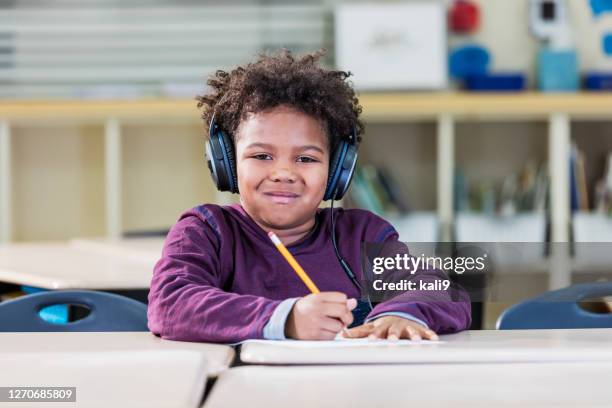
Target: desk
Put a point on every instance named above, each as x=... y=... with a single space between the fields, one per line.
x=465 y=347
x=146 y=378
x=75 y=266
x=448 y=385
x=147 y=249
x=218 y=356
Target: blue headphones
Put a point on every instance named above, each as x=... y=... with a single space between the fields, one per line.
x=221 y=161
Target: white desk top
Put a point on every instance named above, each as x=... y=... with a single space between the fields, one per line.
x=446 y=385
x=81 y=264
x=144 y=248
x=147 y=378
x=218 y=356
x=465 y=347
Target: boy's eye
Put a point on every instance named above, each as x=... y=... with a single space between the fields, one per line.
x=306 y=159
x=262 y=156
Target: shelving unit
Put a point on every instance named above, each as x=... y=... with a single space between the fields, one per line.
x=118 y=121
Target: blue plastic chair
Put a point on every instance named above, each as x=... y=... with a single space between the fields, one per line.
x=558 y=309
x=59 y=314
x=107 y=312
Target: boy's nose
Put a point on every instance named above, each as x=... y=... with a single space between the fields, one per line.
x=283 y=174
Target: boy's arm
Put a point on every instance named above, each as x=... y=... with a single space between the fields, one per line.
x=441 y=311
x=186 y=301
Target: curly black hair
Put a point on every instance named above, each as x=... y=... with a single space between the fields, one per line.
x=281 y=79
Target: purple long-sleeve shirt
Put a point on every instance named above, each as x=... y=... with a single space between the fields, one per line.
x=220 y=278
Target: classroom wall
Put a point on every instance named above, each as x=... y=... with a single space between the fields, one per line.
x=505 y=32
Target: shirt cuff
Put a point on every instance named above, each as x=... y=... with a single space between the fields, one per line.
x=398 y=314
x=275 y=328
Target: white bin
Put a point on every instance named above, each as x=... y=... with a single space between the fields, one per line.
x=526 y=230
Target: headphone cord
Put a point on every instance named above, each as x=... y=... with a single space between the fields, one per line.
x=343 y=263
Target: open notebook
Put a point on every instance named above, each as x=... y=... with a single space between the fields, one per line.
x=341 y=342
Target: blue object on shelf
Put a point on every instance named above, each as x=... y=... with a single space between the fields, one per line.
x=598 y=81
x=599 y=7
x=558 y=309
x=468 y=60
x=607 y=44
x=508 y=82
x=557 y=70
x=108 y=312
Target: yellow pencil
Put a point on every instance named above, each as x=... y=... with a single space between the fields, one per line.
x=296 y=266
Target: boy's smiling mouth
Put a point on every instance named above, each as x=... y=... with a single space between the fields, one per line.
x=281 y=197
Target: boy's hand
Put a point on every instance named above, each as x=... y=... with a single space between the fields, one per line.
x=392 y=328
x=319 y=316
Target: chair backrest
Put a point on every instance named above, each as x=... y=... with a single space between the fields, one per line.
x=558 y=309
x=108 y=312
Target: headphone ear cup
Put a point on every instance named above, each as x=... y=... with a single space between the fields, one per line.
x=341 y=170
x=220 y=159
x=347 y=170
x=231 y=159
x=213 y=167
x=332 y=179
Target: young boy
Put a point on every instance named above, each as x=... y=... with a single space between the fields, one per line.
x=220 y=278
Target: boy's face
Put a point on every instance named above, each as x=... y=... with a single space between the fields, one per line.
x=282 y=161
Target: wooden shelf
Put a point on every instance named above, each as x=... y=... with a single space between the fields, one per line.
x=376 y=107
x=482 y=105
x=16 y=111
